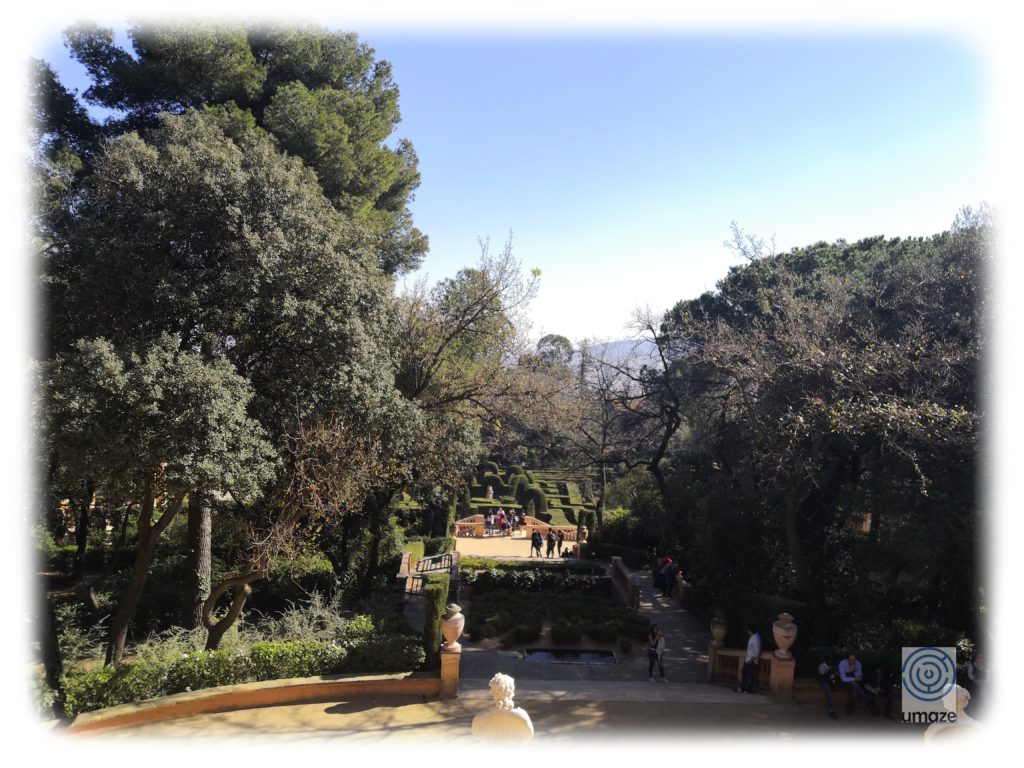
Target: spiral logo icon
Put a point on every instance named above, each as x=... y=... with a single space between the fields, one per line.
x=929 y=673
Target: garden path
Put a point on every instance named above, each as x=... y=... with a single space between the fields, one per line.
x=686 y=640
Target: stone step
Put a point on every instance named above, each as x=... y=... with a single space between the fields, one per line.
x=571 y=690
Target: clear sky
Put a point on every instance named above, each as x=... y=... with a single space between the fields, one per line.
x=617 y=162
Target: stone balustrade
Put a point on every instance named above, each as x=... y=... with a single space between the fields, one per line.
x=774 y=675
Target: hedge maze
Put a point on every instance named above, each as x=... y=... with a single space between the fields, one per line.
x=556 y=496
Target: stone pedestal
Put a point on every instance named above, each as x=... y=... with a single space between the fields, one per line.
x=450 y=673
x=712 y=660
x=780 y=681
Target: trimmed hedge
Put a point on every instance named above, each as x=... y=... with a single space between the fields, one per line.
x=515 y=581
x=136 y=681
x=487 y=467
x=433 y=545
x=435 y=594
x=492 y=480
x=470 y=564
x=537 y=496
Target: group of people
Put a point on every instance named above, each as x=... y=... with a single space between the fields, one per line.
x=553 y=541
x=665 y=575
x=502 y=522
x=877 y=683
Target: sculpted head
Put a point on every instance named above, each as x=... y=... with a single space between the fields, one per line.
x=503 y=688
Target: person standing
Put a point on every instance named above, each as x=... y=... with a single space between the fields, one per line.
x=825 y=683
x=748 y=678
x=560 y=541
x=655 y=653
x=551 y=543
x=535 y=542
x=659 y=578
x=668 y=578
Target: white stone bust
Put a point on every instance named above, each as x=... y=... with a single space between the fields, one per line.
x=965 y=725
x=504 y=721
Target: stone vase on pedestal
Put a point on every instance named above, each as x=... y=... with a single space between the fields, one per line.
x=451 y=627
x=784 y=631
x=718 y=631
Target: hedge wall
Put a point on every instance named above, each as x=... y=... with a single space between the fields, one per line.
x=137 y=681
x=435 y=594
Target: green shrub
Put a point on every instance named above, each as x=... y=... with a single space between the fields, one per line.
x=297 y=658
x=487 y=467
x=536 y=580
x=388 y=653
x=496 y=483
x=437 y=545
x=361 y=650
x=601 y=632
x=526 y=633
x=565 y=633
x=471 y=564
x=465 y=508
x=535 y=496
x=112 y=685
x=435 y=594
x=208 y=669
x=291 y=581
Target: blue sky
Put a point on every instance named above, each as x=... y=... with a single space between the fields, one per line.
x=619 y=162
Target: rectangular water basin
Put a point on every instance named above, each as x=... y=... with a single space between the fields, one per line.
x=570 y=657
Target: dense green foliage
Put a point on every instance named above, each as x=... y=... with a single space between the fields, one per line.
x=221 y=334
x=139 y=680
x=826 y=455
x=518 y=617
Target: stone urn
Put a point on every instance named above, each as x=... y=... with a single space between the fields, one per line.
x=718 y=630
x=451 y=627
x=583 y=534
x=784 y=631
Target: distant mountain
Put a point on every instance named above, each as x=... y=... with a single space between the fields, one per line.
x=634 y=352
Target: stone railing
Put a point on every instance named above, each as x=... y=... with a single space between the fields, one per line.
x=775 y=675
x=475 y=526
x=568 y=531
x=626 y=583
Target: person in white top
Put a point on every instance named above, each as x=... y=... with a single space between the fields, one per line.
x=748 y=680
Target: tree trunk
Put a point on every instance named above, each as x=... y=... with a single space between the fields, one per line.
x=808 y=584
x=82 y=526
x=218 y=628
x=149 y=533
x=123 y=542
x=50 y=650
x=197 y=559
x=600 y=502
x=377 y=518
